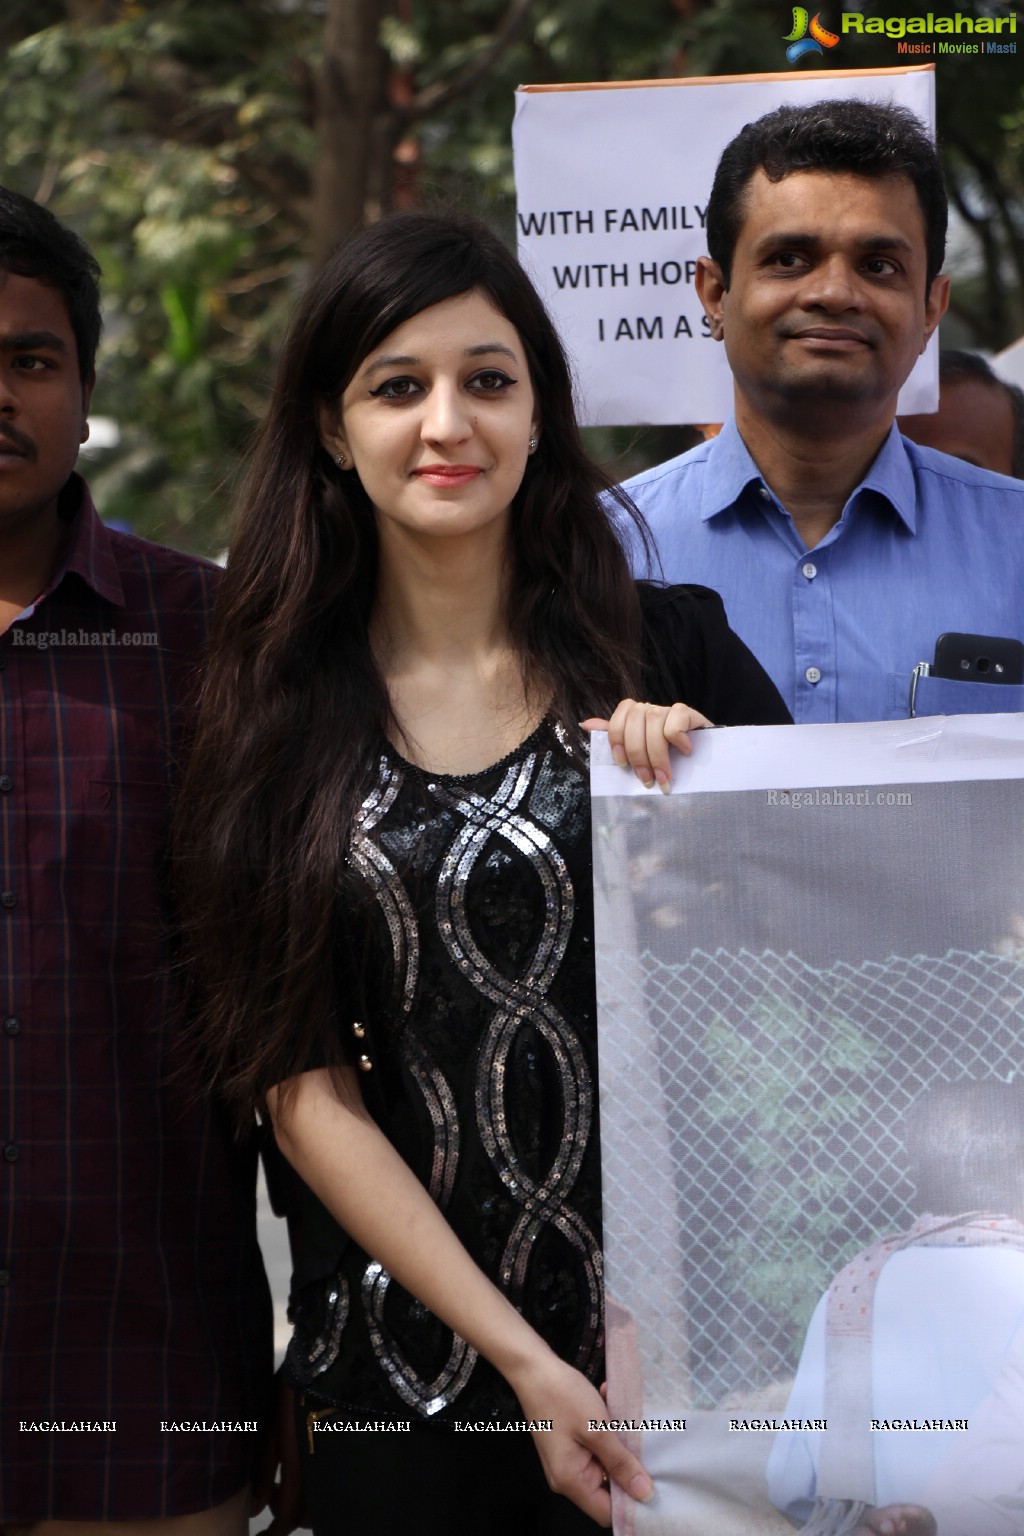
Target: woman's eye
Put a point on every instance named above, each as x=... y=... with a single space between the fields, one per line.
x=395 y=389
x=491 y=381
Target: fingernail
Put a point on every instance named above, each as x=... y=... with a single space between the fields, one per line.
x=645 y=779
x=664 y=782
x=641 y=1488
x=619 y=756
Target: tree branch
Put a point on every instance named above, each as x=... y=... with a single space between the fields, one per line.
x=435 y=97
x=988 y=175
x=993 y=321
x=171 y=113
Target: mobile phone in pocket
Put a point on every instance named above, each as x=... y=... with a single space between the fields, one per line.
x=979 y=658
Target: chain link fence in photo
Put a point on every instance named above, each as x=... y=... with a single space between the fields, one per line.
x=768 y=1097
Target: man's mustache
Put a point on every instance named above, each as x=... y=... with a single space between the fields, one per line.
x=18 y=441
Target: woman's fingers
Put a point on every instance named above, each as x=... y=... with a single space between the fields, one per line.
x=583 y=1467
x=639 y=741
x=679 y=722
x=623 y=1468
x=640 y=736
x=579 y=1461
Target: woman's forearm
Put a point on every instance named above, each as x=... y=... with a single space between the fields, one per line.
x=324 y=1130
x=349 y=1164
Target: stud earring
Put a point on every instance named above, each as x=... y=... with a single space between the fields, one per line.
x=339 y=459
x=532 y=444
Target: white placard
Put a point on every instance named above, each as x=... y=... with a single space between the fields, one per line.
x=809 y=1004
x=928 y=750
x=612 y=186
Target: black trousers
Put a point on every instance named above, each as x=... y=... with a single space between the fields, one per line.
x=430 y=1481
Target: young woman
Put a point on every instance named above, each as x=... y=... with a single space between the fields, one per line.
x=386 y=868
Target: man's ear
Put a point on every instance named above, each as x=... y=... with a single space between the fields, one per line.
x=711 y=290
x=88 y=385
x=935 y=306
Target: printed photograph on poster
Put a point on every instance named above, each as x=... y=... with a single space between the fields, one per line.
x=813 y=1130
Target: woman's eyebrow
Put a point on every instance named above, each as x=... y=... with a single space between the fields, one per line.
x=403 y=360
x=491 y=346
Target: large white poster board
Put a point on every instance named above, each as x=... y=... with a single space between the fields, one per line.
x=810 y=976
x=612 y=185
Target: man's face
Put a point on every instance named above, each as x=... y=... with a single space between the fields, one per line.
x=827 y=301
x=43 y=403
x=974 y=422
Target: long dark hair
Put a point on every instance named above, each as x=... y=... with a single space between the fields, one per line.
x=294 y=708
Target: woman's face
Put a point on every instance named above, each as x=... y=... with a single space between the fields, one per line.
x=437 y=421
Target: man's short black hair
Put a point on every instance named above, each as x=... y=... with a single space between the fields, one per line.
x=860 y=138
x=965 y=1147
x=35 y=244
x=956 y=365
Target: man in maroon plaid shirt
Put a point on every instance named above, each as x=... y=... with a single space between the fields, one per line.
x=134 y=1313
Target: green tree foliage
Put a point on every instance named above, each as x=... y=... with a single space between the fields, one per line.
x=173 y=137
x=788 y=1090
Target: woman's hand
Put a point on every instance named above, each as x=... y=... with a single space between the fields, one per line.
x=578 y=1462
x=640 y=735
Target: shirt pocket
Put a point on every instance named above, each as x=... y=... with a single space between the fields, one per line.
x=949 y=696
x=122 y=810
x=122 y=815
x=120 y=864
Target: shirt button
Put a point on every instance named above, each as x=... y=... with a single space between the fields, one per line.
x=7 y=898
x=813 y=675
x=764 y=492
x=11 y=1153
x=6 y=783
x=810 y=570
x=12 y=1026
x=5 y=1277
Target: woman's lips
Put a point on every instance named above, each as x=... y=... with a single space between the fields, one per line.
x=448 y=474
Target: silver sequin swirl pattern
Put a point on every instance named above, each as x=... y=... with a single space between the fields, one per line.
x=369 y=859
x=517 y=1002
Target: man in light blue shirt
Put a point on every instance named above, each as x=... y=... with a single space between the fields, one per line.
x=925 y=1326
x=842 y=551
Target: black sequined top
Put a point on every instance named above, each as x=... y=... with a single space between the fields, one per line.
x=471 y=913
x=479 y=975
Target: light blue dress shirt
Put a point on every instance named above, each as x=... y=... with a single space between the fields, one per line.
x=926 y=545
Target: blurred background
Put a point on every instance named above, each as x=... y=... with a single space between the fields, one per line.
x=212 y=152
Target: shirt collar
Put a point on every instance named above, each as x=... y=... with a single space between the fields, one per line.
x=731 y=469
x=91 y=555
